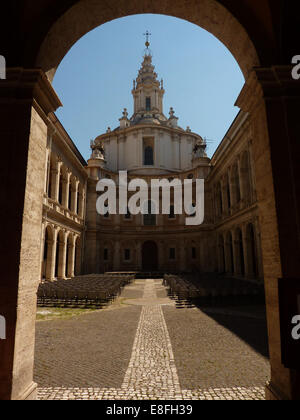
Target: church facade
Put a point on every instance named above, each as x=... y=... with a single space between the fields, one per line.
x=150 y=146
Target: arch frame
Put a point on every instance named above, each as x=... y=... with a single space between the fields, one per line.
x=86 y=15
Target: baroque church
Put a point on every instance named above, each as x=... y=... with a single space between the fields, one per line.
x=149 y=145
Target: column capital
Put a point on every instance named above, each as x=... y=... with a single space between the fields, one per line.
x=58 y=161
x=32 y=86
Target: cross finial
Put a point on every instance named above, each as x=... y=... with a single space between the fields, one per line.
x=147 y=35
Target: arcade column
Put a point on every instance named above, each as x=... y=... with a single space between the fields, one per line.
x=26 y=99
x=272 y=98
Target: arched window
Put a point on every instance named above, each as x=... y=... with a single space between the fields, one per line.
x=149 y=156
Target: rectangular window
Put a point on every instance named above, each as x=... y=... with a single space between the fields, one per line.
x=172 y=253
x=127 y=254
x=105 y=254
x=148 y=104
x=148 y=151
x=194 y=253
x=150 y=219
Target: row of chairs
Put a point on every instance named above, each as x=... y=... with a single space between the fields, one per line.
x=203 y=288
x=82 y=291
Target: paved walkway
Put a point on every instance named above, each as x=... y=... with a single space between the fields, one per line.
x=151 y=372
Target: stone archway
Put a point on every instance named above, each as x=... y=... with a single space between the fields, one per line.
x=86 y=15
x=29 y=97
x=150 y=256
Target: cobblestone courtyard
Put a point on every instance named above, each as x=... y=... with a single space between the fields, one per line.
x=143 y=347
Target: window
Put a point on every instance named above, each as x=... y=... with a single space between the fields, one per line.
x=149 y=156
x=105 y=254
x=172 y=254
x=194 y=253
x=228 y=195
x=127 y=254
x=60 y=194
x=150 y=218
x=172 y=213
x=148 y=104
x=70 y=198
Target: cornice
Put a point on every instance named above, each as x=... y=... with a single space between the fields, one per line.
x=138 y=127
x=29 y=86
x=269 y=83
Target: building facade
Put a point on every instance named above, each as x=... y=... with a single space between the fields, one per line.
x=151 y=146
x=64 y=206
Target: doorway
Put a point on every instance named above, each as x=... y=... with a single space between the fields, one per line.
x=150 y=256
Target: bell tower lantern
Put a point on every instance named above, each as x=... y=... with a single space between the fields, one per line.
x=147 y=91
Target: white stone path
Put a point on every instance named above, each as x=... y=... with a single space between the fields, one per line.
x=152 y=373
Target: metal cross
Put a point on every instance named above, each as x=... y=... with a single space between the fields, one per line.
x=147 y=34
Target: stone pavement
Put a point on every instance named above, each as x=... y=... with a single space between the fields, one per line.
x=152 y=372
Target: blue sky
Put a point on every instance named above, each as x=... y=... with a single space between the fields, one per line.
x=201 y=77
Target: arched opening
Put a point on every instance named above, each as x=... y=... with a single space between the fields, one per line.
x=88 y=15
x=240 y=257
x=56 y=258
x=176 y=253
x=49 y=57
x=70 y=257
x=229 y=254
x=150 y=256
x=252 y=251
x=61 y=255
x=221 y=249
x=49 y=249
